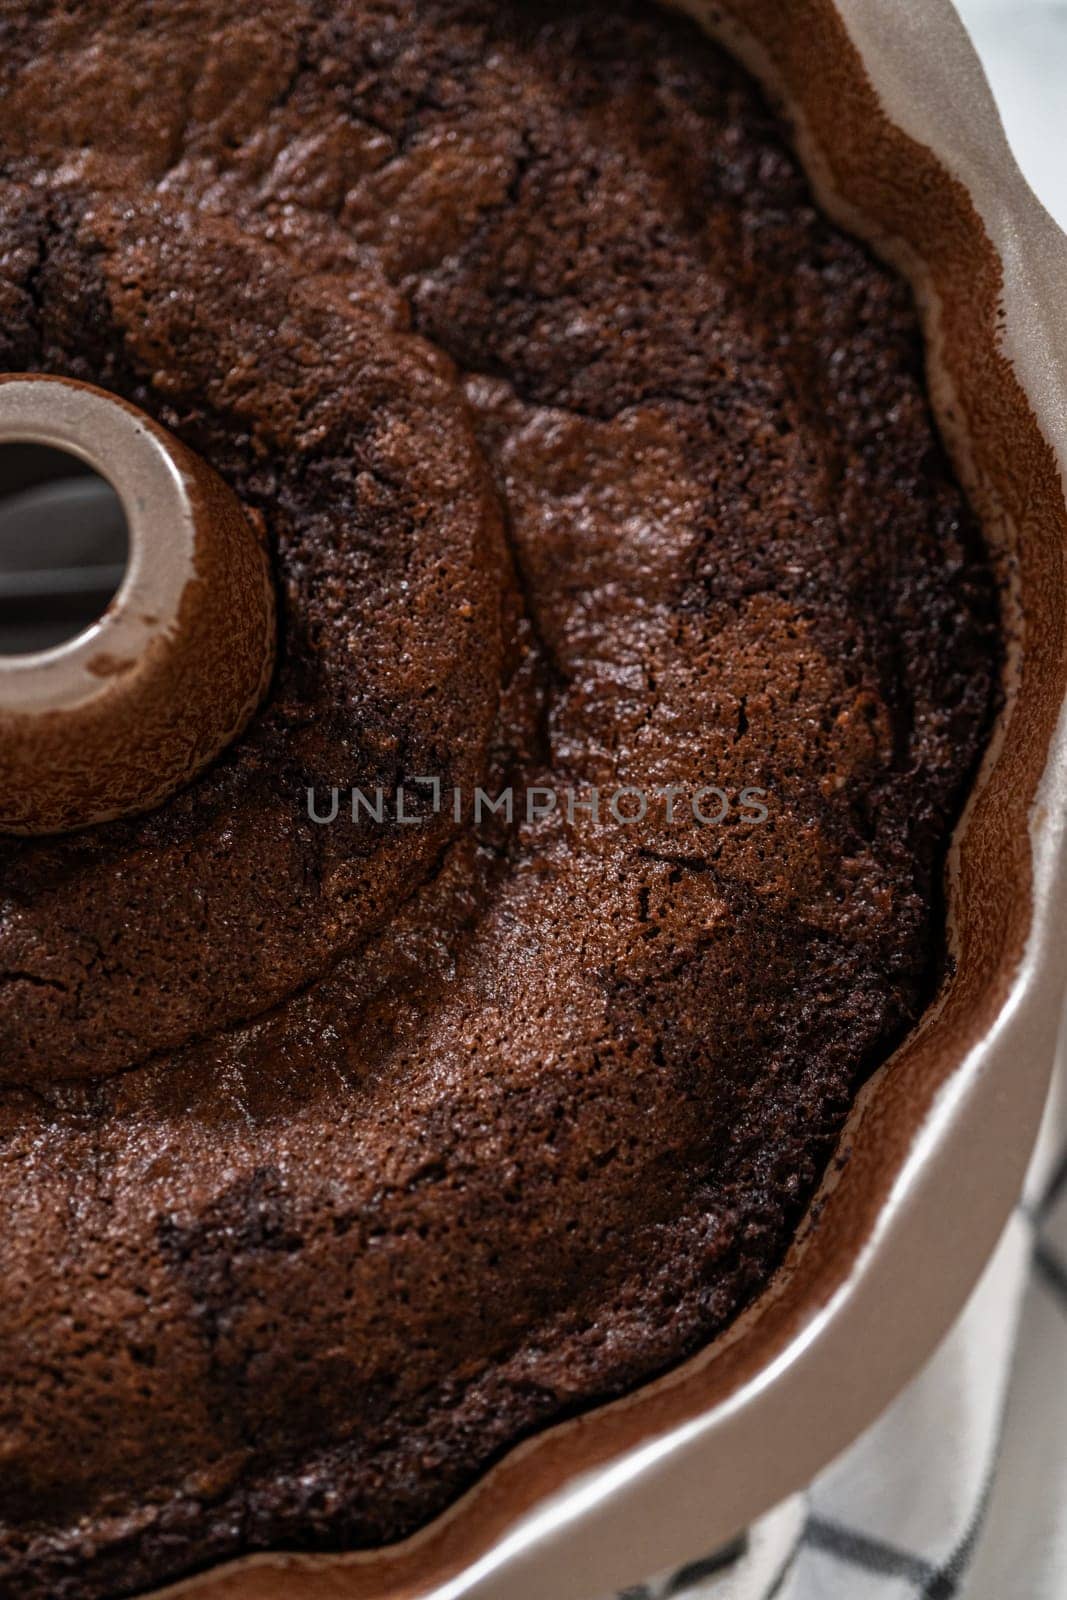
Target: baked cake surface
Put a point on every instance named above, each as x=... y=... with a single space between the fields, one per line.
x=337 y=1158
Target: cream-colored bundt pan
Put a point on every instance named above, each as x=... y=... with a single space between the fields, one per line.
x=898 y=130
x=115 y=719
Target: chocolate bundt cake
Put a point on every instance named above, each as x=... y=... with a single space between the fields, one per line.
x=344 y=1143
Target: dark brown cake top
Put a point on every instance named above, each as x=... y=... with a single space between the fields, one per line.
x=337 y=1158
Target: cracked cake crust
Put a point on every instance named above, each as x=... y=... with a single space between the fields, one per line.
x=336 y=1160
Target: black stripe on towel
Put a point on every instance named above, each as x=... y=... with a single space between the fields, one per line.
x=860 y=1550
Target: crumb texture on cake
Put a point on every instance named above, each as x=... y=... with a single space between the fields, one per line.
x=334 y=1159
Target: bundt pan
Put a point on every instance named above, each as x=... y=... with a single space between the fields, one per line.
x=900 y=137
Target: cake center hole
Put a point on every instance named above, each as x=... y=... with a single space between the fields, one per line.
x=64 y=546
